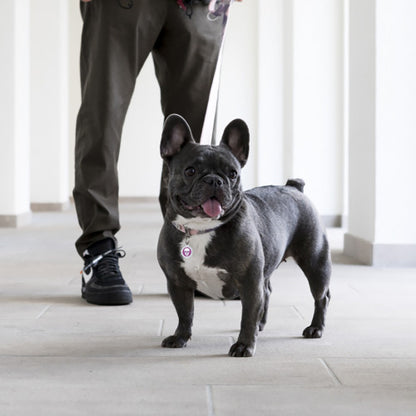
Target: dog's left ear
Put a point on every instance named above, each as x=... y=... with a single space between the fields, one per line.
x=176 y=134
x=236 y=137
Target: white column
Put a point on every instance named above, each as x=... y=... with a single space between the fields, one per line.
x=382 y=229
x=314 y=101
x=14 y=113
x=49 y=104
x=270 y=93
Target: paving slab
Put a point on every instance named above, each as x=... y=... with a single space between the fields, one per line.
x=170 y=368
x=312 y=401
x=374 y=371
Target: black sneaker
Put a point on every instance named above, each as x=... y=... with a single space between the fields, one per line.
x=102 y=282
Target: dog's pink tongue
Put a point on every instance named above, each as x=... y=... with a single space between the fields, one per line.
x=212 y=208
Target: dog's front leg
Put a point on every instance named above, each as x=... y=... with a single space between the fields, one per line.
x=183 y=300
x=252 y=299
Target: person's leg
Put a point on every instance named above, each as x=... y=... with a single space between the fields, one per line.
x=116 y=40
x=185 y=58
x=115 y=44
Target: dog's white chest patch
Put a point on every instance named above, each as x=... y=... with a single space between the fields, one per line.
x=208 y=279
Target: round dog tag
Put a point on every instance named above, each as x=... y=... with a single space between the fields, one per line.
x=186 y=252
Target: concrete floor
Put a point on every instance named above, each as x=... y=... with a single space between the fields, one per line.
x=62 y=356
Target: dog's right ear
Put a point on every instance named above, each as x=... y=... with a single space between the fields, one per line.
x=176 y=134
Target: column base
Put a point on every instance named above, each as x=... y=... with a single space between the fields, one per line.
x=49 y=206
x=333 y=221
x=15 y=221
x=387 y=255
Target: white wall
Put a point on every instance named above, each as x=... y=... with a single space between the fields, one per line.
x=317 y=102
x=361 y=115
x=271 y=103
x=14 y=113
x=382 y=230
x=74 y=86
x=396 y=122
x=300 y=99
x=49 y=103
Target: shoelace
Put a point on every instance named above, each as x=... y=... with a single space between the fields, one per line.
x=107 y=262
x=108 y=265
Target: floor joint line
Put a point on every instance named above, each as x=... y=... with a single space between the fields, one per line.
x=210 y=401
x=329 y=370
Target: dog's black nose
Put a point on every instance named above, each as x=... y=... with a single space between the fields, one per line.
x=213 y=180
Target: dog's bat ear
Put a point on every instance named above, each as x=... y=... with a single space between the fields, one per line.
x=176 y=133
x=236 y=137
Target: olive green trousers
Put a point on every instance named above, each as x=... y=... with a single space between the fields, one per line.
x=117 y=38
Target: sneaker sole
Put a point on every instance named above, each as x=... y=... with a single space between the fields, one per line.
x=109 y=298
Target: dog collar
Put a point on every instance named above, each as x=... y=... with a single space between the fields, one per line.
x=190 y=232
x=186 y=250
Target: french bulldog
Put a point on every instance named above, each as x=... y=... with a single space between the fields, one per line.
x=226 y=243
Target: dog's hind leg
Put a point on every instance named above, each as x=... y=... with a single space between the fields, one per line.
x=316 y=328
x=317 y=269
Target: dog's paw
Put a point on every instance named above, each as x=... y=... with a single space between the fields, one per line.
x=241 y=350
x=174 y=342
x=313 y=332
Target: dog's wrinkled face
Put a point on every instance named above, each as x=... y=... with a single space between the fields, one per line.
x=204 y=181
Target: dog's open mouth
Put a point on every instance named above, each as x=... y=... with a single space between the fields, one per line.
x=211 y=208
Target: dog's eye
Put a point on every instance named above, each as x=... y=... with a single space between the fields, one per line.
x=233 y=174
x=190 y=171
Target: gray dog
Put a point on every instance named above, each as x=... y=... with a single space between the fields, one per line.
x=226 y=243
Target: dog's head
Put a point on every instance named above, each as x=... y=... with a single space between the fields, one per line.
x=204 y=181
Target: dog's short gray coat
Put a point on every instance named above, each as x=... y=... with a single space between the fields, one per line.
x=234 y=253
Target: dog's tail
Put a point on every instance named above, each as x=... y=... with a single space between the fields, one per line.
x=299 y=184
